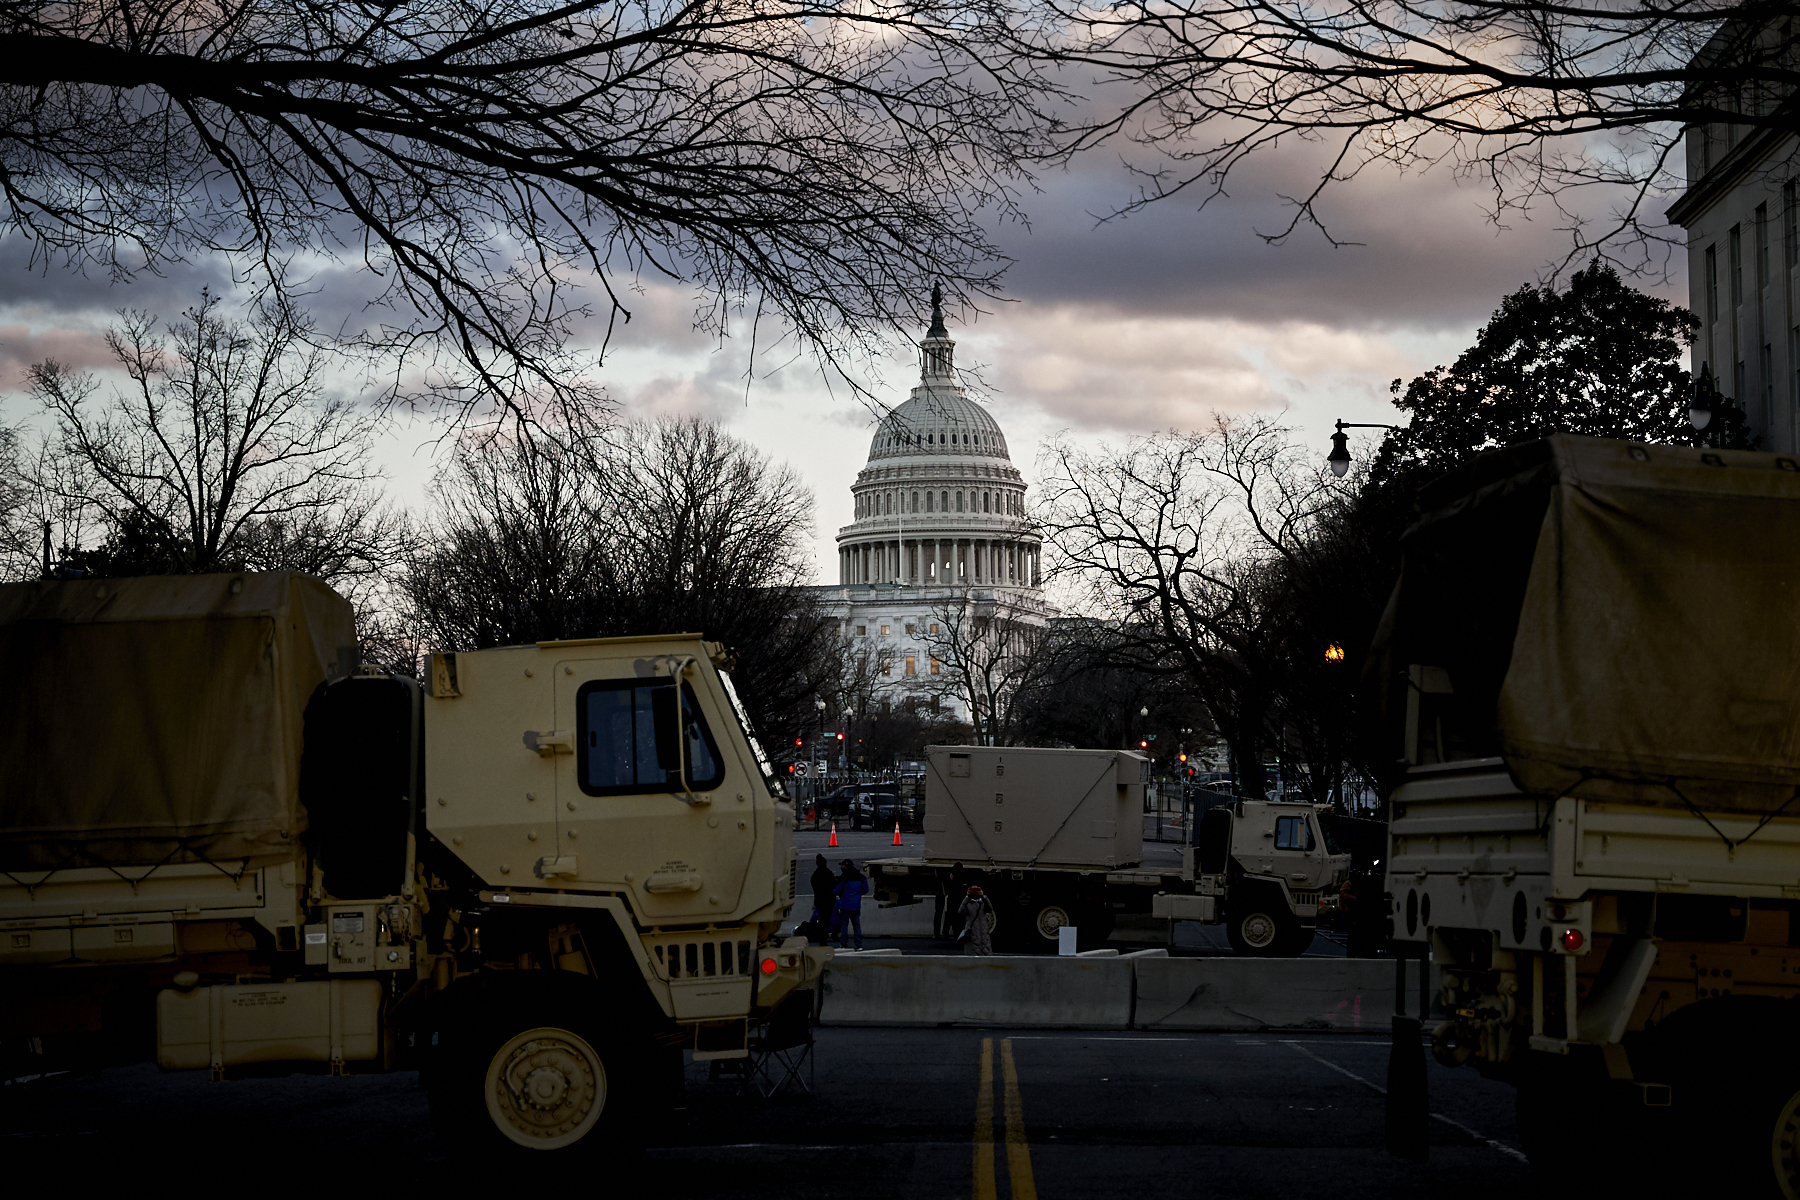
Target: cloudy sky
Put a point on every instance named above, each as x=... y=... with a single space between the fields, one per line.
x=1107 y=330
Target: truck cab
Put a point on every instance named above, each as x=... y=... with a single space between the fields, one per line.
x=1269 y=868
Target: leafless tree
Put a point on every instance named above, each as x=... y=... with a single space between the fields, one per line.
x=487 y=162
x=984 y=649
x=1533 y=96
x=666 y=526
x=226 y=451
x=1174 y=543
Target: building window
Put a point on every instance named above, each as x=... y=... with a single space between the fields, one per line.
x=1737 y=381
x=928 y=507
x=1737 y=268
x=912 y=665
x=934 y=627
x=915 y=502
x=910 y=627
x=959 y=506
x=1712 y=284
x=986 y=502
x=1762 y=246
x=1791 y=238
x=944 y=501
x=934 y=664
x=884 y=631
x=887 y=665
x=1768 y=382
x=862 y=631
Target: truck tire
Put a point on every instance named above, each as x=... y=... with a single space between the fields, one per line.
x=1734 y=1067
x=533 y=1065
x=1041 y=922
x=1259 y=930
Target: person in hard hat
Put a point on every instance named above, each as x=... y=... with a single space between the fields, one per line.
x=975 y=912
x=849 y=893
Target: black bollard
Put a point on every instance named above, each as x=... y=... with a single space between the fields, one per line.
x=1408 y=1093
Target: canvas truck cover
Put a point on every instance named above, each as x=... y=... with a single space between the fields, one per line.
x=159 y=719
x=1618 y=621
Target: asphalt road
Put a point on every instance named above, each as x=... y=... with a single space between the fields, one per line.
x=975 y=1113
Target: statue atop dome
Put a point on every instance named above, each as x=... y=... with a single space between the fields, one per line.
x=937 y=329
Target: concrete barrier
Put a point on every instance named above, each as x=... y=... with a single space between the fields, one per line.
x=1023 y=992
x=1141 y=991
x=1346 y=995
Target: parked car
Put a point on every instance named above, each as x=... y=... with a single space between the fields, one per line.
x=875 y=807
x=836 y=806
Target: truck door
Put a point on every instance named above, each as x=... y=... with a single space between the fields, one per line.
x=1297 y=849
x=629 y=818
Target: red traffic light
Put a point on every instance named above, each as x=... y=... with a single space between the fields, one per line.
x=1142 y=744
x=799 y=741
x=840 y=737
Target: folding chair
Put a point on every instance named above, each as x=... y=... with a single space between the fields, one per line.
x=784 y=1046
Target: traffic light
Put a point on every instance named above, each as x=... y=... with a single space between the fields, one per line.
x=840 y=737
x=1181 y=758
x=1143 y=744
x=799 y=741
x=1192 y=772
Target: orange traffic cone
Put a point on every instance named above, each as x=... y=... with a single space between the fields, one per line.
x=896 y=833
x=833 y=841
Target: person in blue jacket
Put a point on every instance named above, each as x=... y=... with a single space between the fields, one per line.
x=851 y=888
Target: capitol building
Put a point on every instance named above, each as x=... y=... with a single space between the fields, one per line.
x=940 y=531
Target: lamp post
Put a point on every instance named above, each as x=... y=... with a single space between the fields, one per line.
x=819 y=706
x=1704 y=398
x=1339 y=458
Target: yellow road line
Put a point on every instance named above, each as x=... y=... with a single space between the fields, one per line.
x=1018 y=1150
x=984 y=1125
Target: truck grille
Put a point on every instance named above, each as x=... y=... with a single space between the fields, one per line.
x=1305 y=897
x=695 y=960
x=793 y=876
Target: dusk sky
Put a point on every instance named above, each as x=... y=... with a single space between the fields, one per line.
x=1137 y=325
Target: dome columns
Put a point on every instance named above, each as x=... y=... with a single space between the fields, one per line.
x=942 y=562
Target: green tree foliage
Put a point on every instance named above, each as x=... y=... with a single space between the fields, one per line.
x=1600 y=359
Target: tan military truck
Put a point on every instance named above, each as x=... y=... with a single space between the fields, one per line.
x=538 y=876
x=1591 y=666
x=1055 y=838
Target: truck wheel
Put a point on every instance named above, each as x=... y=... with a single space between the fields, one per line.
x=1044 y=920
x=1734 y=1066
x=530 y=1067
x=1259 y=930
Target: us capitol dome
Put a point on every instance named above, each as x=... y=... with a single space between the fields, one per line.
x=940 y=532
x=940 y=504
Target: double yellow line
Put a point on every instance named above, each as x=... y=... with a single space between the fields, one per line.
x=1018 y=1150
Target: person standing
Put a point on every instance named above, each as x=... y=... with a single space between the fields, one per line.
x=849 y=893
x=823 y=881
x=975 y=911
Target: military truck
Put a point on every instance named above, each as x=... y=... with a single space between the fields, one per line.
x=1055 y=838
x=538 y=875
x=1589 y=668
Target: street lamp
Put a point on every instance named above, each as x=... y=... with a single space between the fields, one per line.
x=1700 y=405
x=1339 y=458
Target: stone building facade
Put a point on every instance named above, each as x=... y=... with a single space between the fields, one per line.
x=1742 y=218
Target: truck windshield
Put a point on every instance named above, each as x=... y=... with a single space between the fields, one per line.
x=737 y=707
x=1329 y=831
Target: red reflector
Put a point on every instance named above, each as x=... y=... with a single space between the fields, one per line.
x=1571 y=939
x=768 y=966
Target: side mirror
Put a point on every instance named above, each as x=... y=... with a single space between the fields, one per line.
x=666 y=715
